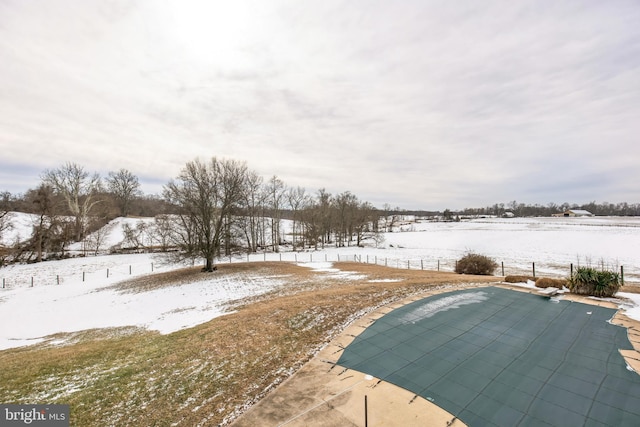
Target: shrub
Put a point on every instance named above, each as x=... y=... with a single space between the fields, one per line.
x=519 y=279
x=545 y=282
x=598 y=283
x=476 y=264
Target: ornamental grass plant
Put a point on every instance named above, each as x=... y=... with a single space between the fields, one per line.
x=594 y=282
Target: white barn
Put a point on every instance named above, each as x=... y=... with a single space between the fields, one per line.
x=574 y=212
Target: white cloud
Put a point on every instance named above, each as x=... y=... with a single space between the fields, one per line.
x=419 y=104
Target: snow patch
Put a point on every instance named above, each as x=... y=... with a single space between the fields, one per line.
x=329 y=270
x=631 y=310
x=430 y=308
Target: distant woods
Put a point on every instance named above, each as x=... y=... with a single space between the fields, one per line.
x=213 y=208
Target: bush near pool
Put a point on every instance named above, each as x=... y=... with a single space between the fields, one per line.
x=476 y=264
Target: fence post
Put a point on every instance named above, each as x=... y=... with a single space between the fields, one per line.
x=58 y=279
x=366 y=421
x=152 y=267
x=83 y=276
x=571 y=270
x=3 y=283
x=129 y=269
x=438 y=265
x=310 y=257
x=107 y=273
x=385 y=261
x=338 y=257
x=502 y=263
x=534 y=269
x=32 y=281
x=408 y=266
x=622 y=275
x=281 y=256
x=367 y=259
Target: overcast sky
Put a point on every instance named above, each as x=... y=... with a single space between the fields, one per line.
x=419 y=104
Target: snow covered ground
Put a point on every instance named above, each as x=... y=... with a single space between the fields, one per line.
x=72 y=295
x=29 y=314
x=553 y=244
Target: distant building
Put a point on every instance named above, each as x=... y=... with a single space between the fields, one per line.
x=574 y=212
x=508 y=214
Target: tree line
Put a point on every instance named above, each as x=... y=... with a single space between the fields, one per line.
x=212 y=208
x=531 y=210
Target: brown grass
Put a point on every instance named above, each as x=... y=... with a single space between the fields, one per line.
x=208 y=374
x=519 y=279
x=545 y=282
x=635 y=289
x=161 y=280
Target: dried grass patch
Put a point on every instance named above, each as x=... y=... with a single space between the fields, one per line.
x=519 y=279
x=545 y=282
x=632 y=289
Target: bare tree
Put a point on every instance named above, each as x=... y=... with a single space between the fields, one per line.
x=97 y=239
x=48 y=231
x=325 y=215
x=297 y=198
x=206 y=193
x=5 y=214
x=390 y=217
x=44 y=226
x=162 y=231
x=135 y=237
x=78 y=188
x=5 y=225
x=345 y=205
x=253 y=206
x=365 y=218
x=275 y=193
x=125 y=187
x=309 y=217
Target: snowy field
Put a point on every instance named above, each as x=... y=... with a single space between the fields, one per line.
x=38 y=300
x=553 y=244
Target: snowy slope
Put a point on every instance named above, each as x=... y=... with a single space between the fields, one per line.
x=28 y=314
x=21 y=228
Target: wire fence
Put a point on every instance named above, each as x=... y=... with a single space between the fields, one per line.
x=108 y=274
x=120 y=272
x=505 y=268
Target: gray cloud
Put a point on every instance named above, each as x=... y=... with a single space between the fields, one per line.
x=418 y=104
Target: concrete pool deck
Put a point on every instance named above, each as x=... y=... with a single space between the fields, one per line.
x=323 y=393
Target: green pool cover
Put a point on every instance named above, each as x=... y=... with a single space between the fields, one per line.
x=495 y=357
